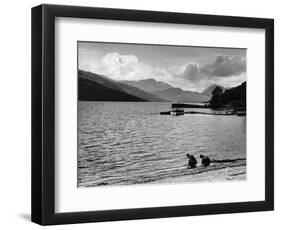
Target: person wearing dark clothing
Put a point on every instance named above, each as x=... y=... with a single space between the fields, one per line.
x=205 y=161
x=192 y=162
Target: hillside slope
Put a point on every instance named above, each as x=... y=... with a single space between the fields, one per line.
x=105 y=83
x=149 y=85
x=177 y=94
x=101 y=89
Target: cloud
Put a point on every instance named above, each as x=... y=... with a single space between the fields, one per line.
x=223 y=70
x=202 y=83
x=115 y=59
x=128 y=67
x=222 y=66
x=225 y=66
x=191 y=71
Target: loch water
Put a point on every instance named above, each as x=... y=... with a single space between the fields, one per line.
x=131 y=143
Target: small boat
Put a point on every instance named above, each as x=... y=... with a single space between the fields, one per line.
x=177 y=111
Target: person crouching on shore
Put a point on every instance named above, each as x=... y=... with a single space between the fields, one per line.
x=205 y=161
x=192 y=162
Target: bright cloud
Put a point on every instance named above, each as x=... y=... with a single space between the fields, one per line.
x=128 y=67
x=115 y=59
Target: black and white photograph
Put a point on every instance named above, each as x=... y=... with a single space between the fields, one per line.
x=152 y=114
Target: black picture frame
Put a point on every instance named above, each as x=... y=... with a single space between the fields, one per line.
x=43 y=114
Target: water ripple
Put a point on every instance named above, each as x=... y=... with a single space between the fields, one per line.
x=125 y=143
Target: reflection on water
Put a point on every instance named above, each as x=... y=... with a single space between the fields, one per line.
x=130 y=142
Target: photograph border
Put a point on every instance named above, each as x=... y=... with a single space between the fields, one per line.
x=43 y=114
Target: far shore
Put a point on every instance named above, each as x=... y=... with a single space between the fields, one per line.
x=204 y=105
x=224 y=111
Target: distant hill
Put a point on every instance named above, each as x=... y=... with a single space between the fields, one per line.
x=101 y=88
x=140 y=93
x=167 y=91
x=208 y=91
x=149 y=85
x=177 y=94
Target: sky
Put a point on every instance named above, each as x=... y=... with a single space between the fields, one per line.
x=187 y=67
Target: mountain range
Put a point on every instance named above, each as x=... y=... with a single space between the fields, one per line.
x=149 y=85
x=96 y=87
x=177 y=94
